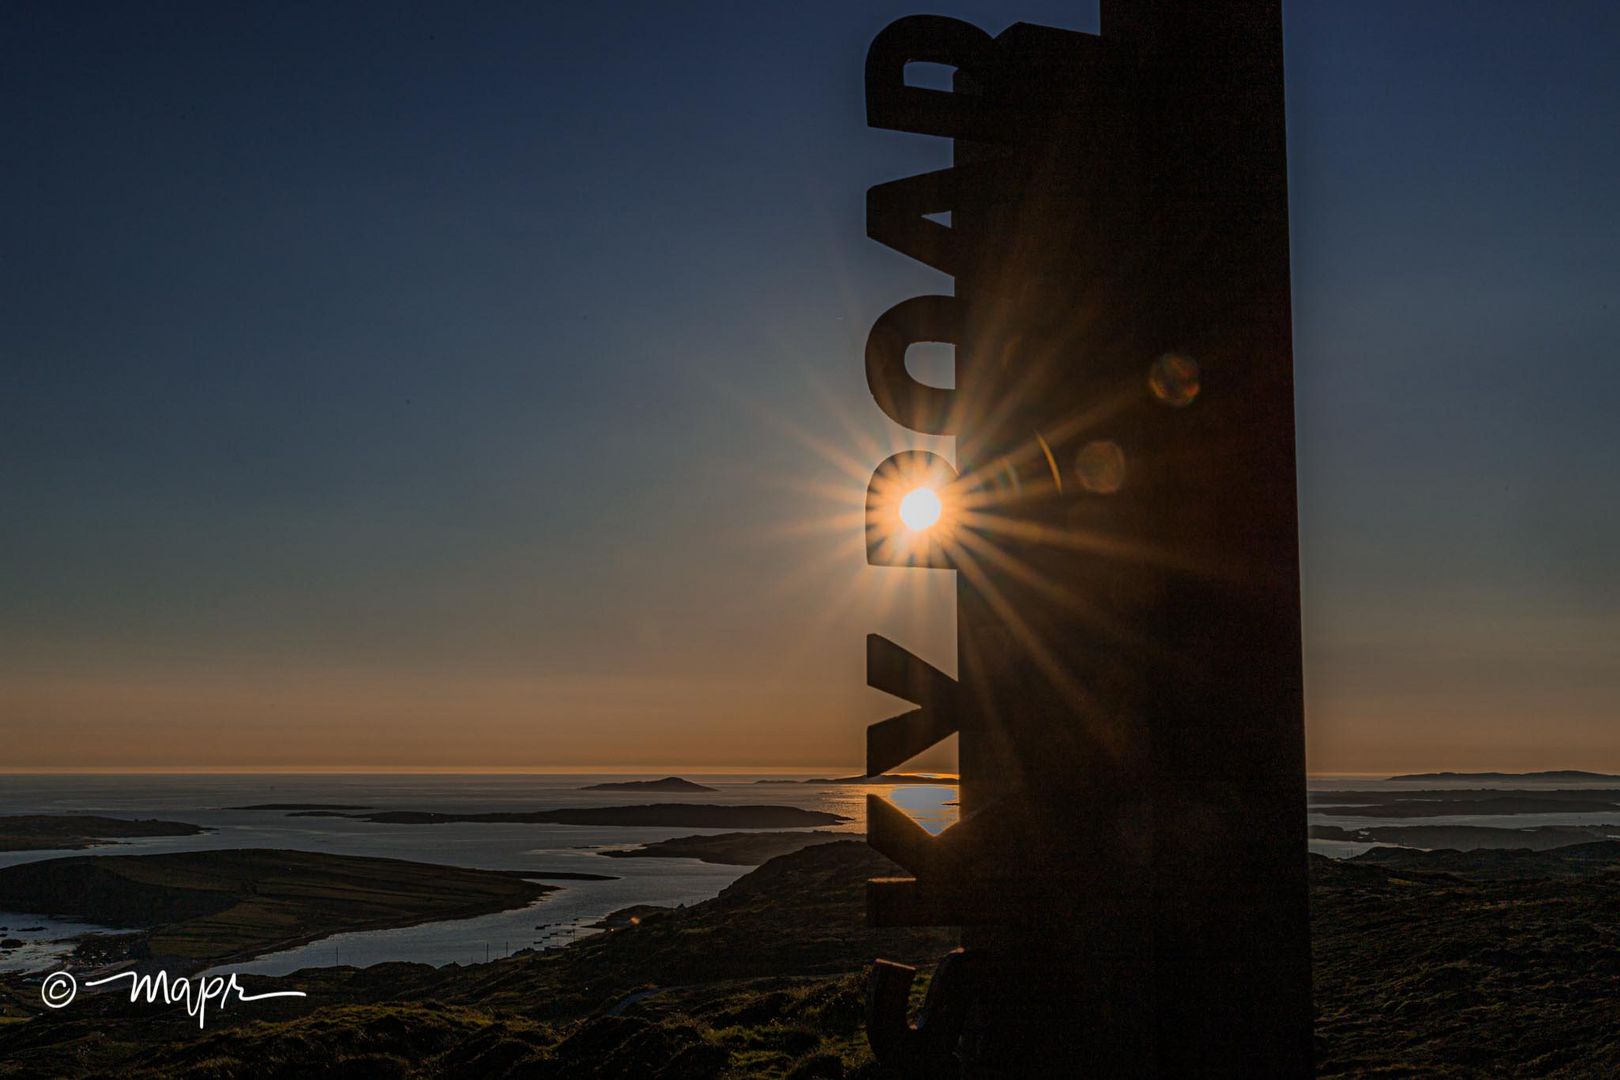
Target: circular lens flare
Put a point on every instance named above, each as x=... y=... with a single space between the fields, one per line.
x=1173 y=378
x=920 y=509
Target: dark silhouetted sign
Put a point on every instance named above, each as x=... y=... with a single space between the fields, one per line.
x=1130 y=865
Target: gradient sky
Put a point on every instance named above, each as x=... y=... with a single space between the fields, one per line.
x=470 y=386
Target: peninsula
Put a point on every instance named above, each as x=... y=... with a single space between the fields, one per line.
x=51 y=832
x=205 y=907
x=730 y=849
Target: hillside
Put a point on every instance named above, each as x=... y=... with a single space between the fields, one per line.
x=1439 y=964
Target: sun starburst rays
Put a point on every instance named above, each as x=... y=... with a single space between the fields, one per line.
x=991 y=523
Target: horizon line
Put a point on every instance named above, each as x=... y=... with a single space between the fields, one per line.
x=433 y=770
x=592 y=770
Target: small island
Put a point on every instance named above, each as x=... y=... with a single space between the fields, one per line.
x=50 y=832
x=299 y=806
x=668 y=783
x=1556 y=776
x=1541 y=802
x=199 y=908
x=730 y=849
x=674 y=815
x=1469 y=837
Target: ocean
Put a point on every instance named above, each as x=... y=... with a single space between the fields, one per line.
x=557 y=918
x=207 y=800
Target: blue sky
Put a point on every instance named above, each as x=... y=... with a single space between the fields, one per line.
x=417 y=385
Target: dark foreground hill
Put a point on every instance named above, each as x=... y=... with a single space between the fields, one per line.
x=1439 y=965
x=751 y=983
x=1468 y=964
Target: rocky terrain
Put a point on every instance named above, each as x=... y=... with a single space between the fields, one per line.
x=1440 y=964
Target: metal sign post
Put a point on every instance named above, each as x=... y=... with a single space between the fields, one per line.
x=1129 y=868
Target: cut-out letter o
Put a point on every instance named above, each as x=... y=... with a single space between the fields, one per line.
x=916 y=405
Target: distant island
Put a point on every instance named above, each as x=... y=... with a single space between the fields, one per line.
x=1501 y=804
x=200 y=908
x=668 y=783
x=1553 y=775
x=1440 y=802
x=51 y=832
x=884 y=778
x=675 y=815
x=730 y=849
x=1470 y=837
x=298 y=806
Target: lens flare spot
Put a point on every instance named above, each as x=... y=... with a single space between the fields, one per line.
x=1101 y=467
x=1174 y=379
x=920 y=509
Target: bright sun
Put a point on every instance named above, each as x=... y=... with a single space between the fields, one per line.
x=919 y=509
